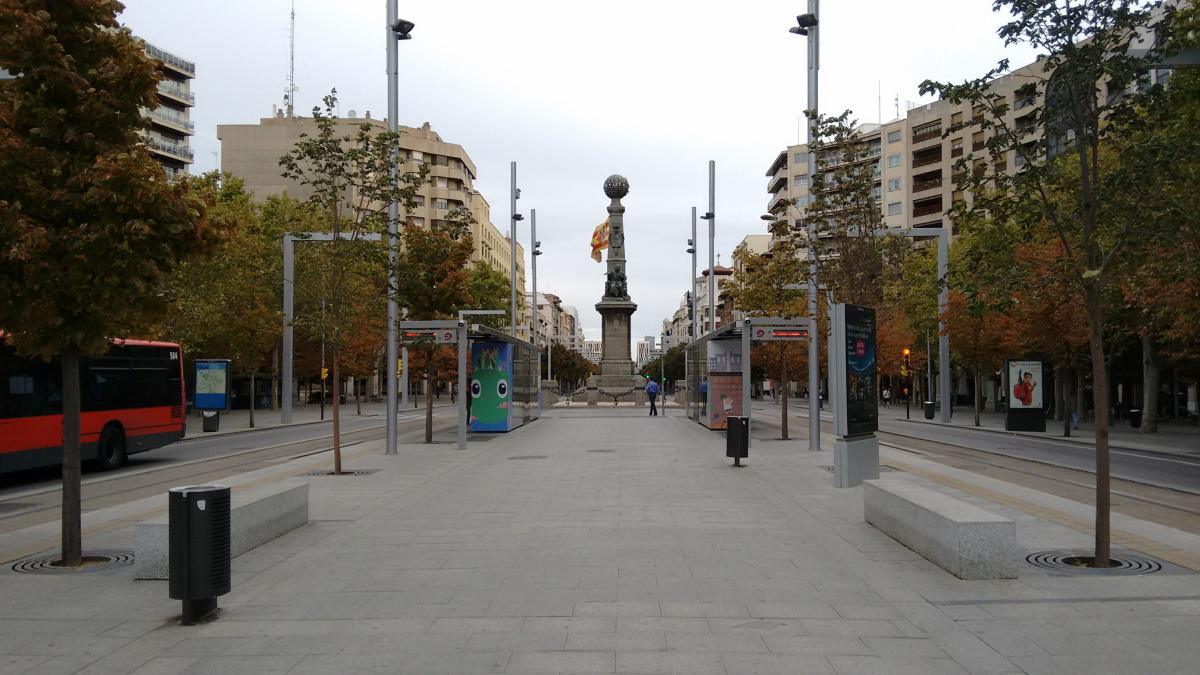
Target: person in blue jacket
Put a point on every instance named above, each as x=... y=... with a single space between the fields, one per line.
x=652 y=391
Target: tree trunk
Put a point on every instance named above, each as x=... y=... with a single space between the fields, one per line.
x=358 y=393
x=1080 y=386
x=337 y=428
x=1150 y=381
x=429 y=372
x=1060 y=388
x=978 y=402
x=251 y=400
x=72 y=539
x=275 y=402
x=783 y=371
x=1064 y=374
x=1100 y=401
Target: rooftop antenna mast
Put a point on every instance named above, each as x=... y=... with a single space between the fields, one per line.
x=289 y=96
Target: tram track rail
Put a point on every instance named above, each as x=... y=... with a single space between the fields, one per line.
x=43 y=505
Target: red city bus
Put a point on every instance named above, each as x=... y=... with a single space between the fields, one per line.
x=132 y=401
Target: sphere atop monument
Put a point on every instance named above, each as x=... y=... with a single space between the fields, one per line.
x=615 y=186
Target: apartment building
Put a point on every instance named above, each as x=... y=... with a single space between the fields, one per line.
x=252 y=152
x=646 y=350
x=170 y=122
x=593 y=351
x=916 y=154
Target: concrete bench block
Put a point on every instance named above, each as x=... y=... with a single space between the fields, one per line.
x=258 y=515
x=961 y=538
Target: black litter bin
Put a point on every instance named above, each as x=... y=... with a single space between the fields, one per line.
x=928 y=410
x=212 y=420
x=1135 y=418
x=737 y=439
x=199 y=535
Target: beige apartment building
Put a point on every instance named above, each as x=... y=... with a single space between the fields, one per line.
x=170 y=123
x=914 y=157
x=252 y=152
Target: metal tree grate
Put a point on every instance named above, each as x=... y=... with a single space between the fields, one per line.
x=602 y=450
x=93 y=561
x=528 y=457
x=1076 y=562
x=356 y=472
x=883 y=468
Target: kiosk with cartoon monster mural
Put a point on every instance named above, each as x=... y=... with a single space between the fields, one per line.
x=491 y=402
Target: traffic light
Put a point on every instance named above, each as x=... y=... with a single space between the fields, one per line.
x=324 y=373
x=905 y=364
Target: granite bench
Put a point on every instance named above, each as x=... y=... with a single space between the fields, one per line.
x=961 y=538
x=258 y=515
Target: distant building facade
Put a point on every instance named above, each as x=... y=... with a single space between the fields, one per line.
x=170 y=122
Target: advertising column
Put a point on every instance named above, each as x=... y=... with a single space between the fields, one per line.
x=856 y=405
x=1026 y=411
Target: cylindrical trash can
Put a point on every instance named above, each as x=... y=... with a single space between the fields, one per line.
x=737 y=439
x=928 y=410
x=212 y=420
x=1135 y=418
x=199 y=547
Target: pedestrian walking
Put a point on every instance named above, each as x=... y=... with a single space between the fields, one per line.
x=652 y=391
x=887 y=397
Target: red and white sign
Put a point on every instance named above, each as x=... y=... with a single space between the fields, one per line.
x=446 y=336
x=769 y=333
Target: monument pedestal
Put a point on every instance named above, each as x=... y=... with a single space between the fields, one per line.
x=616 y=367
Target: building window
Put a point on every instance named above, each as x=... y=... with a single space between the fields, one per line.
x=416 y=155
x=801 y=161
x=893 y=184
x=956 y=196
x=956 y=119
x=875 y=193
x=440 y=204
x=895 y=208
x=418 y=200
x=893 y=161
x=418 y=221
x=801 y=181
x=956 y=149
x=893 y=136
x=978 y=141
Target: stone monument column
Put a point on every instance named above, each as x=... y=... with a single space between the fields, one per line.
x=616 y=364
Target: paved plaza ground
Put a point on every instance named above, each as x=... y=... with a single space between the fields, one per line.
x=601 y=540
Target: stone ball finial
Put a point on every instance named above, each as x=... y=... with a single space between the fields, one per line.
x=615 y=186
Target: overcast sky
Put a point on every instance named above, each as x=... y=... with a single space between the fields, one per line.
x=574 y=91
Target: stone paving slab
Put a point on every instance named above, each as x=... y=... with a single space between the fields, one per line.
x=656 y=557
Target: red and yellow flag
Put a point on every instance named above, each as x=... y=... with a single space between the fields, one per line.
x=600 y=239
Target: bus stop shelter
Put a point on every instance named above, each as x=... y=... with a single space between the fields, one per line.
x=505 y=373
x=719 y=366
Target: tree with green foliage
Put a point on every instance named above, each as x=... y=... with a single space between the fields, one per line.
x=90 y=225
x=228 y=305
x=664 y=368
x=349 y=176
x=434 y=284
x=1062 y=189
x=769 y=285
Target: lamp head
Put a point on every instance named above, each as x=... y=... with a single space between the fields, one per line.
x=907 y=351
x=402 y=28
x=517 y=216
x=807 y=20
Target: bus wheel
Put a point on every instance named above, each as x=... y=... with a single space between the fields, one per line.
x=111 y=449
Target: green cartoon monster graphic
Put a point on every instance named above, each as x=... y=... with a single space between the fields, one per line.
x=489 y=386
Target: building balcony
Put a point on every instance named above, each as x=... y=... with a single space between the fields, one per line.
x=777 y=183
x=926 y=132
x=174 y=62
x=1023 y=103
x=928 y=184
x=176 y=93
x=926 y=158
x=173 y=150
x=927 y=207
x=172 y=122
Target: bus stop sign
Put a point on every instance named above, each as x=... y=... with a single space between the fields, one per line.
x=766 y=333
x=445 y=336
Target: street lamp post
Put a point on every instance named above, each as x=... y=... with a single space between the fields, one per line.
x=397 y=29
x=534 y=251
x=711 y=217
x=807 y=26
x=514 y=194
x=691 y=300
